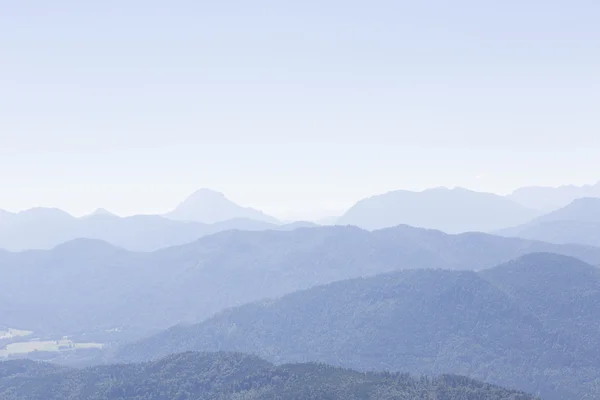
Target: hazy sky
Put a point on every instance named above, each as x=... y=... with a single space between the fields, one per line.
x=301 y=106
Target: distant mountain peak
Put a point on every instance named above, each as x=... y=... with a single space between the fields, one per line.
x=444 y=189
x=209 y=207
x=207 y=192
x=450 y=210
x=101 y=212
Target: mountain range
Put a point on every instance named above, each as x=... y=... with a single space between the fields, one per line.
x=530 y=324
x=206 y=212
x=519 y=309
x=221 y=376
x=88 y=287
x=45 y=228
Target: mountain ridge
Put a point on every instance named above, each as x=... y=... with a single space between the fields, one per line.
x=102 y=288
x=546 y=198
x=28 y=230
x=450 y=210
x=577 y=222
x=427 y=321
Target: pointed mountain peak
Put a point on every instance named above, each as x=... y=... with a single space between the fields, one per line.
x=207 y=192
x=209 y=207
x=206 y=195
x=101 y=212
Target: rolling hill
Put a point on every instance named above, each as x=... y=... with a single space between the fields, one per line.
x=562 y=292
x=528 y=324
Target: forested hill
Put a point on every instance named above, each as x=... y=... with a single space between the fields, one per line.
x=528 y=324
x=229 y=376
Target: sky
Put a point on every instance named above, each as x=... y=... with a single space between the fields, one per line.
x=295 y=108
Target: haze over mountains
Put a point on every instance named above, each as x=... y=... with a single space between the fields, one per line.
x=546 y=199
x=578 y=222
x=449 y=210
x=531 y=324
x=88 y=287
x=206 y=212
x=518 y=308
x=209 y=207
x=374 y=235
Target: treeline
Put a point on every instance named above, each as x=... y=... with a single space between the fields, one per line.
x=234 y=376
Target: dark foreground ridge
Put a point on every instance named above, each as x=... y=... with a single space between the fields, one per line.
x=222 y=376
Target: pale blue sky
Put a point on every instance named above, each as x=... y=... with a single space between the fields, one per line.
x=300 y=107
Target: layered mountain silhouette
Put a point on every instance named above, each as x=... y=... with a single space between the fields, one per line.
x=204 y=213
x=449 y=210
x=219 y=376
x=209 y=207
x=547 y=199
x=88 y=286
x=46 y=228
x=530 y=324
x=578 y=222
x=586 y=209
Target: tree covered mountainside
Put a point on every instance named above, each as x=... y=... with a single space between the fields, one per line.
x=229 y=376
x=562 y=292
x=89 y=286
x=528 y=324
